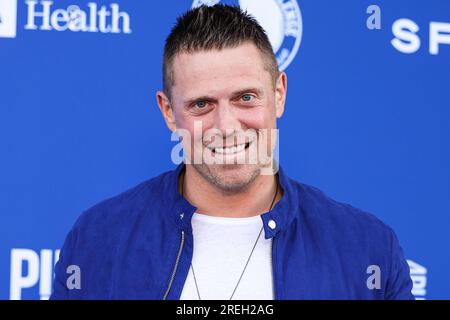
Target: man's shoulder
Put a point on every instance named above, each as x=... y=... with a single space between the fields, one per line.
x=343 y=228
x=125 y=205
x=354 y=239
x=317 y=207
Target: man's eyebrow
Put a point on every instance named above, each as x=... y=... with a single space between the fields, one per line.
x=201 y=98
x=256 y=90
x=239 y=92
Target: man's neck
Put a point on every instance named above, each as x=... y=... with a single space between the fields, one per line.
x=253 y=200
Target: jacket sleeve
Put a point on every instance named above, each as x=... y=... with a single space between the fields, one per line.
x=399 y=283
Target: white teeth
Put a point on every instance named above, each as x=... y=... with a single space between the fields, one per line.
x=230 y=150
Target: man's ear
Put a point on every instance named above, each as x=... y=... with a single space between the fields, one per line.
x=166 y=110
x=280 y=94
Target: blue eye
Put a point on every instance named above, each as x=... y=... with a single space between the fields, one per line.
x=200 y=104
x=247 y=97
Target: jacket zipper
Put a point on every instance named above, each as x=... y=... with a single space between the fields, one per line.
x=273 y=269
x=176 y=265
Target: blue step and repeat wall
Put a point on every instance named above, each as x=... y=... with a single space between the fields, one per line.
x=367 y=117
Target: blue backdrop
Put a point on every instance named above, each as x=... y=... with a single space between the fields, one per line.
x=367 y=117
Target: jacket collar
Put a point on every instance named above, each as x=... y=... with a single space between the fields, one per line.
x=282 y=213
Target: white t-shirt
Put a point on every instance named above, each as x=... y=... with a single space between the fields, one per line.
x=221 y=249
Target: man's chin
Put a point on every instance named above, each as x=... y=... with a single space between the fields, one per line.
x=230 y=178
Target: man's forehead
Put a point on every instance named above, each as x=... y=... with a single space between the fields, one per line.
x=212 y=70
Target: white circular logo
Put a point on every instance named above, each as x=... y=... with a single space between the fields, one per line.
x=281 y=19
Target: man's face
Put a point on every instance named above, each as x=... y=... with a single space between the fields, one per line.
x=225 y=92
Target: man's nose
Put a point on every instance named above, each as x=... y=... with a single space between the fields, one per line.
x=226 y=119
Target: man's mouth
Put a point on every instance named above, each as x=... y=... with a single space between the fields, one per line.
x=231 y=149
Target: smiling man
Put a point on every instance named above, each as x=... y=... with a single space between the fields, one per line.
x=227 y=223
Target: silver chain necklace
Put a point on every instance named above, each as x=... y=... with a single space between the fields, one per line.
x=249 y=257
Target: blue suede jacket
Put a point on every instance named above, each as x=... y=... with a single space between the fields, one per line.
x=139 y=245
